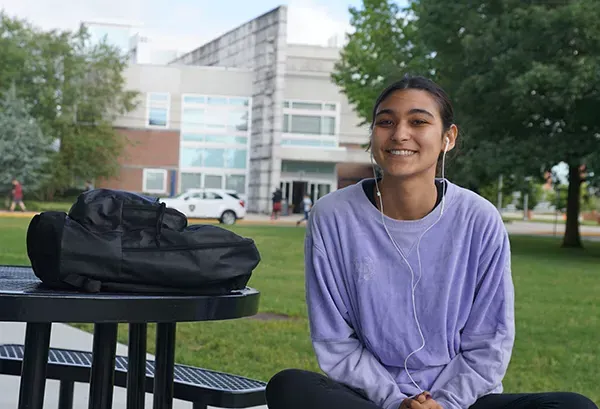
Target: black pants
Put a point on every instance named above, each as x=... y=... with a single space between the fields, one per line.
x=296 y=389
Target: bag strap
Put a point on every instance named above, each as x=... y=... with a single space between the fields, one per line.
x=87 y=284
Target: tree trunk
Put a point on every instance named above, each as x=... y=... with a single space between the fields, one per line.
x=572 y=237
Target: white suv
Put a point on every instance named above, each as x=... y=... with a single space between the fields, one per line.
x=223 y=205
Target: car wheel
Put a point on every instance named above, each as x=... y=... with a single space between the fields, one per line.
x=228 y=217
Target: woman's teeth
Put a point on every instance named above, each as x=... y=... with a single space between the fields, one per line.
x=402 y=152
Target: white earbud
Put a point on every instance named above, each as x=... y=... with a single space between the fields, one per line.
x=414 y=279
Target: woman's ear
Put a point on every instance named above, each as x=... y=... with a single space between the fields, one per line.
x=450 y=137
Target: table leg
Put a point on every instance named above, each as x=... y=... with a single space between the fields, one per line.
x=65 y=394
x=136 y=368
x=165 y=365
x=102 y=379
x=35 y=360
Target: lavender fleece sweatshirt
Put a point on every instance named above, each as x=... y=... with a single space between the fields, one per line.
x=360 y=305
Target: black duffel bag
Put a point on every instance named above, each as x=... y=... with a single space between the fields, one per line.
x=123 y=242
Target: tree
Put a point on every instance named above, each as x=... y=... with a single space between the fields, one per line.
x=75 y=90
x=534 y=193
x=25 y=149
x=490 y=192
x=382 y=48
x=535 y=100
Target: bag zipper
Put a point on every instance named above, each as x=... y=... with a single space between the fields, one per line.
x=196 y=247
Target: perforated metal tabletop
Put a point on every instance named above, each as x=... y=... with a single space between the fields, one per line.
x=24 y=298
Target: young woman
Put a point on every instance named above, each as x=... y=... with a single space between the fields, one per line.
x=408 y=280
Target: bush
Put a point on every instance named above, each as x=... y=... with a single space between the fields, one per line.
x=35 y=206
x=535 y=194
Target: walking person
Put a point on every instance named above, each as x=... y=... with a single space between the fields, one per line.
x=17 y=196
x=277 y=198
x=307 y=205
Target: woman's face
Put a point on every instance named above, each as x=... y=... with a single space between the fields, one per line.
x=408 y=134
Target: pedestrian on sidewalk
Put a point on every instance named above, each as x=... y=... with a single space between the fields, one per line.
x=307 y=203
x=17 y=196
x=277 y=198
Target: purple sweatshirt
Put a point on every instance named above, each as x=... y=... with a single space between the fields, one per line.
x=360 y=308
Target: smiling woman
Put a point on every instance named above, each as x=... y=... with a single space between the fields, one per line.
x=408 y=280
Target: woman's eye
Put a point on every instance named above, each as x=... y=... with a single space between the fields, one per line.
x=384 y=122
x=418 y=122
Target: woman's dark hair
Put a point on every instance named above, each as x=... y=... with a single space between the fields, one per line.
x=423 y=84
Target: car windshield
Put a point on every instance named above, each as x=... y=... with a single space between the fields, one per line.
x=183 y=195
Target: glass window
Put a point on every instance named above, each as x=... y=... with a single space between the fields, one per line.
x=192 y=117
x=286 y=104
x=217 y=101
x=238 y=120
x=215 y=118
x=305 y=124
x=301 y=142
x=213 y=182
x=286 y=123
x=190 y=181
x=308 y=167
x=194 y=99
x=236 y=182
x=226 y=139
x=193 y=137
x=214 y=158
x=328 y=125
x=157 y=116
x=308 y=142
x=158 y=109
x=307 y=106
x=323 y=189
x=191 y=157
x=239 y=101
x=154 y=181
x=159 y=97
x=330 y=107
x=236 y=158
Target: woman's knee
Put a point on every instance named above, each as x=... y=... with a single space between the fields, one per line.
x=579 y=401
x=568 y=400
x=285 y=388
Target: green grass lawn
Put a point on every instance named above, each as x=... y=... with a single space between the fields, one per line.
x=558 y=314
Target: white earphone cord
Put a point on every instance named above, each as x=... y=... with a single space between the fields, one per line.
x=412 y=274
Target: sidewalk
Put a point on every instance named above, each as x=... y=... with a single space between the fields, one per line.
x=547 y=229
x=250 y=219
x=513 y=227
x=63 y=336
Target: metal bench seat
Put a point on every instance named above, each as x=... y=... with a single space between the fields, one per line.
x=201 y=386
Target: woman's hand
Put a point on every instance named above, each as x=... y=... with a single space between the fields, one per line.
x=427 y=401
x=421 y=401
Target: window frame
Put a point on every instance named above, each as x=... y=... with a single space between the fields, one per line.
x=289 y=112
x=165 y=175
x=158 y=105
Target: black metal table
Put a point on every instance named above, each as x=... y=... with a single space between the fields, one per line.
x=23 y=298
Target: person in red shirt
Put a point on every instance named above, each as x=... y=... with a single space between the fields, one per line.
x=17 y=196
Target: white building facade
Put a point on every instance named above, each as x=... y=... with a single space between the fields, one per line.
x=246 y=111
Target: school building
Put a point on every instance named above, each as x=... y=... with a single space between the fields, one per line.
x=246 y=111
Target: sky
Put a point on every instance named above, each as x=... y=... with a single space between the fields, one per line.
x=190 y=22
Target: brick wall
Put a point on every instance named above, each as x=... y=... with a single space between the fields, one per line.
x=145 y=148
